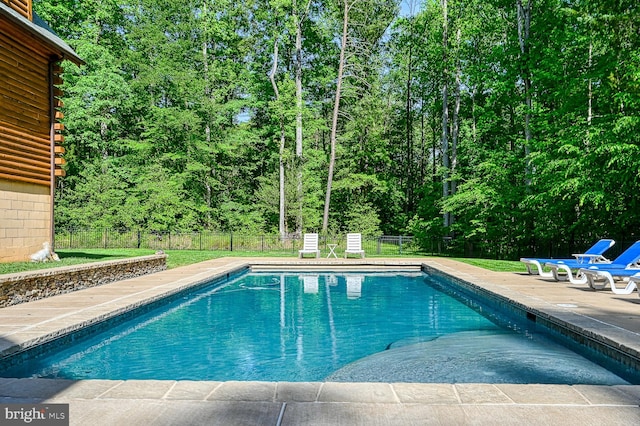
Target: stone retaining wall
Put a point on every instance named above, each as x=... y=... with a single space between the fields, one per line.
x=32 y=285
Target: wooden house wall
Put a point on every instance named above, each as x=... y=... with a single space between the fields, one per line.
x=23 y=7
x=25 y=113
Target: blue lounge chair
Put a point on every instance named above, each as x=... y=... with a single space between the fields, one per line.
x=592 y=255
x=624 y=266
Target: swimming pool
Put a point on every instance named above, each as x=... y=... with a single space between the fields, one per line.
x=386 y=327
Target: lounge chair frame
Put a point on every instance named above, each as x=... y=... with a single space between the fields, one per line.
x=632 y=284
x=592 y=255
x=622 y=267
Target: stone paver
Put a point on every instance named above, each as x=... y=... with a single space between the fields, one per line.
x=298 y=392
x=481 y=394
x=608 y=395
x=244 y=391
x=298 y=414
x=154 y=402
x=191 y=390
x=409 y=393
x=357 y=392
x=138 y=389
x=540 y=395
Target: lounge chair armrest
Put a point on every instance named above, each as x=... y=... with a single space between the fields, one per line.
x=590 y=258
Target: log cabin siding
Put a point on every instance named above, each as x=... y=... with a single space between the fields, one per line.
x=25 y=124
x=30 y=157
x=23 y=7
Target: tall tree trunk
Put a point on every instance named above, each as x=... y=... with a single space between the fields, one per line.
x=445 y=111
x=455 y=133
x=590 y=100
x=298 y=78
x=423 y=149
x=336 y=110
x=434 y=150
x=474 y=124
x=409 y=129
x=524 y=24
x=207 y=127
x=272 y=78
x=474 y=91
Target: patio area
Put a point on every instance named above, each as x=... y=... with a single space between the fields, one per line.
x=104 y=402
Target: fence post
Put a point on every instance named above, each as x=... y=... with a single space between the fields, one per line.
x=230 y=240
x=400 y=244
x=262 y=242
x=200 y=237
x=106 y=233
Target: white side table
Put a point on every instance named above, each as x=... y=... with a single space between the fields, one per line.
x=332 y=250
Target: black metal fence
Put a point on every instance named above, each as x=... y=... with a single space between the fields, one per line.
x=386 y=245
x=229 y=241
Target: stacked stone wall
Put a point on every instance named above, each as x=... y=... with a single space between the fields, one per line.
x=33 y=285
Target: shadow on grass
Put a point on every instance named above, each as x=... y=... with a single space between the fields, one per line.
x=83 y=255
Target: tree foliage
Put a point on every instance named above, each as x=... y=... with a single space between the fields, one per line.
x=174 y=124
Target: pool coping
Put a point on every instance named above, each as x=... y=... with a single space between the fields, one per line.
x=35 y=322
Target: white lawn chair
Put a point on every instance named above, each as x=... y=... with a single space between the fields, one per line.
x=310 y=245
x=354 y=245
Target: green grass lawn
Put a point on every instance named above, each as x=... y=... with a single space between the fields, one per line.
x=176 y=258
x=495 y=265
x=73 y=257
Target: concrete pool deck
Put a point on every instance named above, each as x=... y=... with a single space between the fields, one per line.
x=150 y=402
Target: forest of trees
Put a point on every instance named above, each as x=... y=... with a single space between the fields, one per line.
x=503 y=123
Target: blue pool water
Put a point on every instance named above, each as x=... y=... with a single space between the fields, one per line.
x=391 y=327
